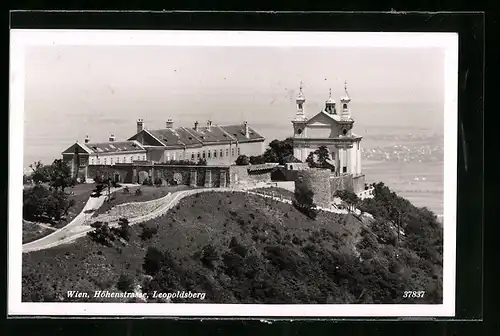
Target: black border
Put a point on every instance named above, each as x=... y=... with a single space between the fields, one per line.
x=470 y=27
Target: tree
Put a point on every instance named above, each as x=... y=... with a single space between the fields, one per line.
x=35 y=202
x=124 y=228
x=152 y=261
x=280 y=151
x=202 y=162
x=258 y=159
x=242 y=160
x=319 y=158
x=311 y=160
x=349 y=197
x=41 y=173
x=60 y=175
x=304 y=201
x=323 y=155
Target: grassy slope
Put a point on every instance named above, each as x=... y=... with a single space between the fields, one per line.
x=32 y=232
x=212 y=218
x=148 y=193
x=284 y=193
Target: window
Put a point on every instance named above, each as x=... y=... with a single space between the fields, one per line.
x=344 y=169
x=238 y=151
x=173 y=156
x=92 y=161
x=124 y=159
x=131 y=158
x=180 y=155
x=209 y=154
x=192 y=156
x=232 y=151
x=168 y=156
x=198 y=155
x=215 y=153
x=203 y=154
x=344 y=106
x=104 y=160
x=110 y=161
x=144 y=157
x=227 y=152
x=98 y=161
x=118 y=160
x=220 y=153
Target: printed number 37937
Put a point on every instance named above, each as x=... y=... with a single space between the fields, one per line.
x=413 y=294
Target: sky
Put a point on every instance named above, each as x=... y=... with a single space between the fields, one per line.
x=73 y=91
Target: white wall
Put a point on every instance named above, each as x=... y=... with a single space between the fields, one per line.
x=112 y=158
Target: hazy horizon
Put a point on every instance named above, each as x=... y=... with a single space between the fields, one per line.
x=99 y=90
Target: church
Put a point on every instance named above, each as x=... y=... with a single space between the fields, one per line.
x=332 y=128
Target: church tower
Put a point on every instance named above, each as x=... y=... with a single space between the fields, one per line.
x=330 y=105
x=300 y=100
x=346 y=113
x=299 y=126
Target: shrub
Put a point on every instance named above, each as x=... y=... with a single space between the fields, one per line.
x=242 y=160
x=152 y=261
x=126 y=190
x=138 y=192
x=148 y=181
x=115 y=184
x=209 y=256
x=158 y=182
x=125 y=283
x=148 y=232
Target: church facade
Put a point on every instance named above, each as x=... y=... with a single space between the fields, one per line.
x=331 y=127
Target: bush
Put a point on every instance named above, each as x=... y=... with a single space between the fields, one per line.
x=138 y=192
x=158 y=182
x=125 y=283
x=209 y=256
x=148 y=232
x=152 y=261
x=126 y=190
x=147 y=182
x=115 y=184
x=242 y=160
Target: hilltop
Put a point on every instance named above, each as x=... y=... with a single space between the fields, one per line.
x=241 y=248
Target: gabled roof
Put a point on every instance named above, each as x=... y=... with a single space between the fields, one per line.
x=78 y=147
x=183 y=136
x=114 y=147
x=238 y=132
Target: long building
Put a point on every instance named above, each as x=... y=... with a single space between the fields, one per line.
x=217 y=144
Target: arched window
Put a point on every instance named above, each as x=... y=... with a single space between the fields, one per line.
x=215 y=153
x=209 y=154
x=344 y=106
x=192 y=156
x=204 y=154
x=221 y=153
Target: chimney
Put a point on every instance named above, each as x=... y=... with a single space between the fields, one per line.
x=247 y=133
x=169 y=123
x=140 y=125
x=111 y=138
x=87 y=139
x=196 y=126
x=209 y=124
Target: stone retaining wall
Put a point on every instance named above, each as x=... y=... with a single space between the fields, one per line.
x=318 y=181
